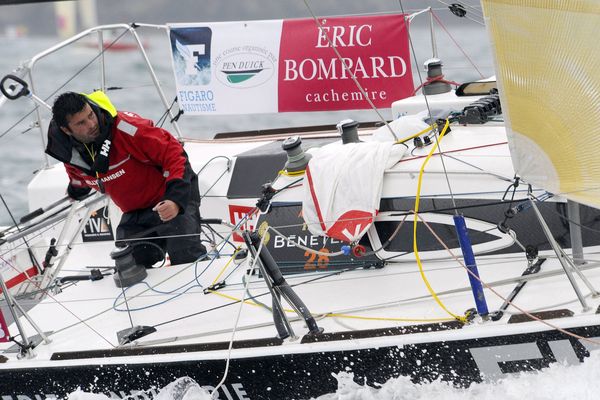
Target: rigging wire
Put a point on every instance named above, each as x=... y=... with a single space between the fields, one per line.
x=502 y=178
x=214 y=183
x=509 y=302
x=439 y=21
x=307 y=281
x=416 y=213
x=414 y=54
x=393 y=213
x=347 y=69
x=59 y=303
x=197 y=275
x=455 y=208
x=237 y=319
x=163 y=118
x=32 y=256
x=239 y=248
x=101 y=53
x=83 y=321
x=579 y=224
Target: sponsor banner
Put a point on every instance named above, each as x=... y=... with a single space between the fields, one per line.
x=98 y=227
x=293 y=259
x=290 y=65
x=226 y=68
x=374 y=48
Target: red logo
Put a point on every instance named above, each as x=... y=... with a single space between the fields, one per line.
x=238 y=214
x=350 y=226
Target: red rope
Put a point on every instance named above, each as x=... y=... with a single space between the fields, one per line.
x=439 y=78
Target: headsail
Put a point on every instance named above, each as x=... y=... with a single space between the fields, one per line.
x=547 y=57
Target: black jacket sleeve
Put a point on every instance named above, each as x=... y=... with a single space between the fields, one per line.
x=77 y=193
x=180 y=190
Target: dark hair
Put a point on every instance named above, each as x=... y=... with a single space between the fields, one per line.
x=66 y=104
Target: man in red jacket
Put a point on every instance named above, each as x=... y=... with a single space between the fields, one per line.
x=143 y=169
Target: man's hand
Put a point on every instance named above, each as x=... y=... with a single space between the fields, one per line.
x=167 y=210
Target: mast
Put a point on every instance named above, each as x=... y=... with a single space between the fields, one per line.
x=66 y=18
x=88 y=12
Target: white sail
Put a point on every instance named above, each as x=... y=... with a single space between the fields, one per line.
x=547 y=57
x=66 y=18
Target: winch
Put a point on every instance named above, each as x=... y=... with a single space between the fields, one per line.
x=127 y=271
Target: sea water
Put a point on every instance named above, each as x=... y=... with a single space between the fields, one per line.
x=557 y=382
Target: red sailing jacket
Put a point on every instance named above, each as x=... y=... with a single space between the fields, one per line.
x=146 y=166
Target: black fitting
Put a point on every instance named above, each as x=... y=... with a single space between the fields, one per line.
x=496 y=315
x=12 y=93
x=481 y=110
x=423 y=141
x=240 y=256
x=267 y=194
x=176 y=117
x=215 y=287
x=52 y=252
x=457 y=9
x=502 y=227
x=96 y=275
x=440 y=126
x=470 y=314
x=128 y=335
x=531 y=252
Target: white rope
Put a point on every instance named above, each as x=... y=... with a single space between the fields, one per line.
x=237 y=319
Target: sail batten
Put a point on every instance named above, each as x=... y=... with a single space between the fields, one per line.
x=548 y=67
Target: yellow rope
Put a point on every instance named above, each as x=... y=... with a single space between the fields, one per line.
x=431 y=291
x=336 y=315
x=226 y=265
x=333 y=315
x=415 y=135
x=415 y=247
x=295 y=173
x=236 y=299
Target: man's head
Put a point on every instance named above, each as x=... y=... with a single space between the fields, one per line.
x=75 y=117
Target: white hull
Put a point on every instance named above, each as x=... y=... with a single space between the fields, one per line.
x=372 y=304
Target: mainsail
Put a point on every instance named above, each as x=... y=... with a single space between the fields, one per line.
x=548 y=67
